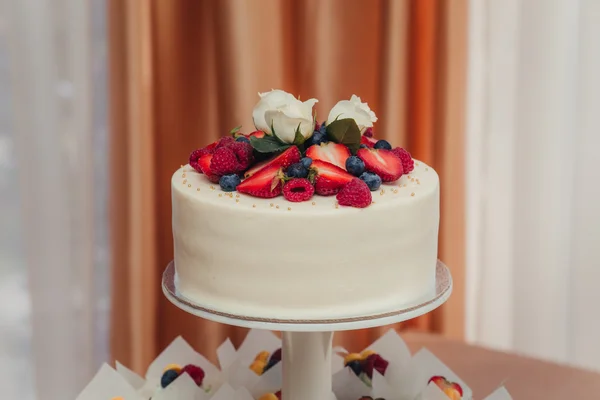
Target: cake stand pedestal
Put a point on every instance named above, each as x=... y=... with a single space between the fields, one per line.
x=307 y=344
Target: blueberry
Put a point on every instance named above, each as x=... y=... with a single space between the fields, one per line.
x=323 y=128
x=229 y=182
x=383 y=144
x=242 y=139
x=355 y=165
x=355 y=367
x=270 y=364
x=363 y=146
x=297 y=170
x=168 y=377
x=318 y=137
x=372 y=180
x=306 y=161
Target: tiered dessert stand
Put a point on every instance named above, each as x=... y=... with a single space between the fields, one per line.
x=307 y=344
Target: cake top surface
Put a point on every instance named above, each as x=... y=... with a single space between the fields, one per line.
x=292 y=162
x=422 y=181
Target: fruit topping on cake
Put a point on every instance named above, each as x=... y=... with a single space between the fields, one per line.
x=229 y=182
x=328 y=178
x=451 y=389
x=407 y=162
x=204 y=164
x=263 y=361
x=297 y=190
x=355 y=194
x=382 y=144
x=372 y=180
x=266 y=183
x=291 y=154
x=298 y=170
x=355 y=165
x=168 y=377
x=334 y=153
x=382 y=162
x=285 y=159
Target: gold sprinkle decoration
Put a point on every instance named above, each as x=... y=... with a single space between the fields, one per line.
x=373 y=202
x=182 y=166
x=237 y=195
x=253 y=205
x=184 y=181
x=183 y=175
x=276 y=206
x=395 y=190
x=271 y=204
x=313 y=203
x=212 y=187
x=412 y=194
x=404 y=185
x=337 y=205
x=289 y=208
x=237 y=200
x=189 y=185
x=198 y=189
x=426 y=169
x=220 y=195
x=417 y=164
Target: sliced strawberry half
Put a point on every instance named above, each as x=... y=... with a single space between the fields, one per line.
x=382 y=162
x=288 y=157
x=328 y=178
x=266 y=183
x=204 y=164
x=330 y=152
x=368 y=141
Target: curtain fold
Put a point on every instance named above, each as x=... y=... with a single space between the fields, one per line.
x=208 y=61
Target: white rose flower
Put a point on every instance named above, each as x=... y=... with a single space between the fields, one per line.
x=285 y=113
x=355 y=109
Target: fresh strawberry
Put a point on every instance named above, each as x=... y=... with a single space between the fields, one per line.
x=356 y=194
x=256 y=134
x=195 y=372
x=204 y=164
x=266 y=183
x=368 y=141
x=330 y=152
x=407 y=162
x=297 y=190
x=224 y=162
x=288 y=157
x=382 y=162
x=244 y=153
x=368 y=132
x=328 y=178
x=456 y=386
x=196 y=154
x=225 y=141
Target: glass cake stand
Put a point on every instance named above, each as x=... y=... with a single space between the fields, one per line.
x=307 y=344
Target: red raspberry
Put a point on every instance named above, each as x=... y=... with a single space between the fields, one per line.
x=225 y=141
x=224 y=162
x=374 y=361
x=368 y=132
x=195 y=372
x=356 y=193
x=407 y=162
x=244 y=153
x=298 y=190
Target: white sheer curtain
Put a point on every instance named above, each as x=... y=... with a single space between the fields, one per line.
x=53 y=254
x=533 y=196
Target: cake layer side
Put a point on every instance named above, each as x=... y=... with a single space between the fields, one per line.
x=276 y=259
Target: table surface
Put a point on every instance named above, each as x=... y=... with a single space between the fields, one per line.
x=525 y=378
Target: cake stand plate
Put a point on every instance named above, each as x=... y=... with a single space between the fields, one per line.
x=403 y=312
x=307 y=344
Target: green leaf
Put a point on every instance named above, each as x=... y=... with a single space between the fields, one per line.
x=235 y=130
x=298 y=138
x=346 y=132
x=268 y=144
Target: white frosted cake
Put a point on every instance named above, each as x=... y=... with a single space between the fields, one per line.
x=327 y=225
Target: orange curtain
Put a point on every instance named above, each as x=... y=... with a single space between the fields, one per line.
x=184 y=72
